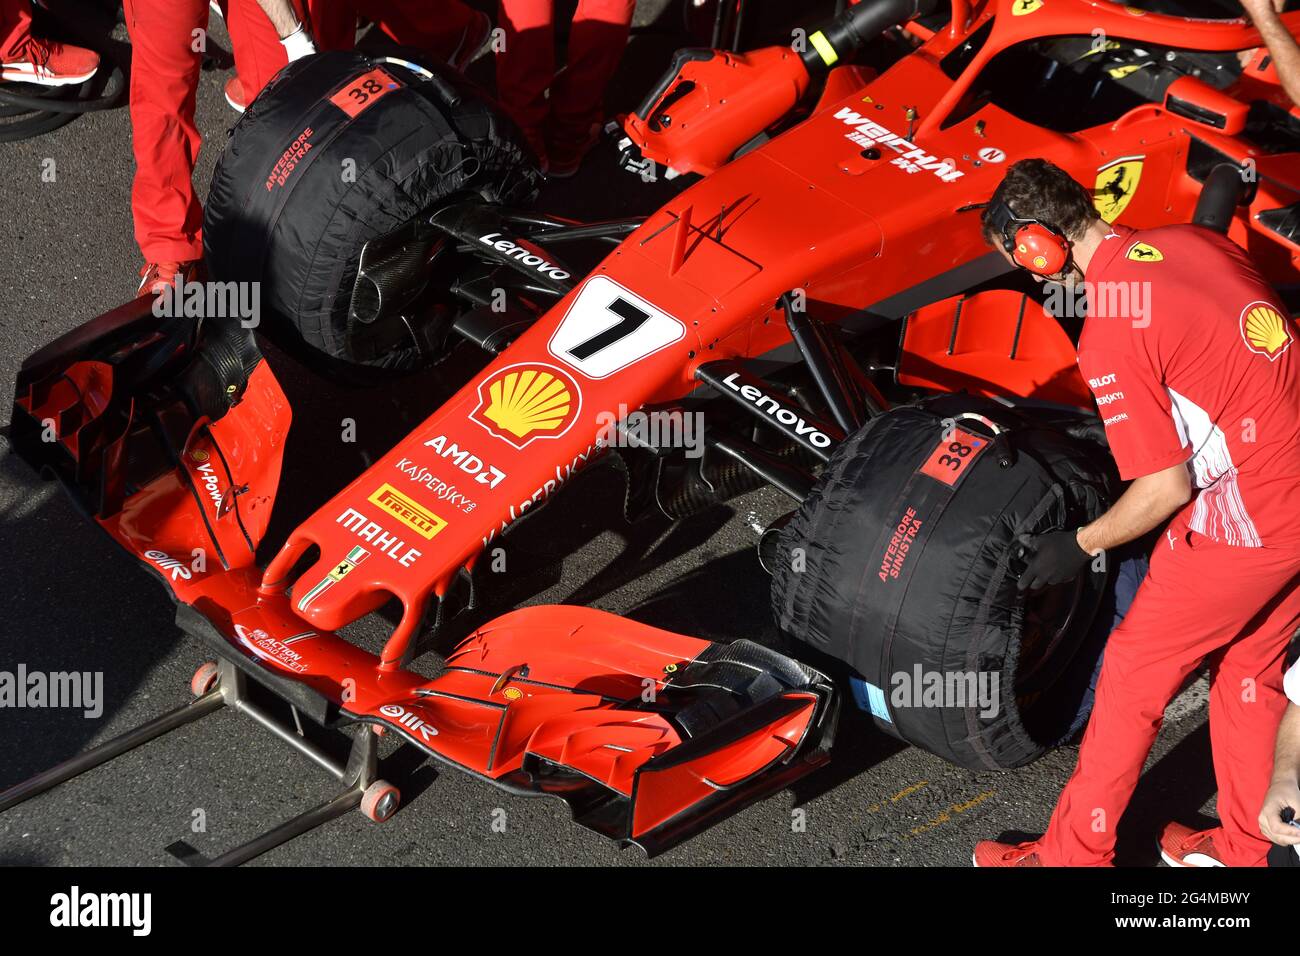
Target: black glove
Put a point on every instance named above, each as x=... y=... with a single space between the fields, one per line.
x=1053 y=558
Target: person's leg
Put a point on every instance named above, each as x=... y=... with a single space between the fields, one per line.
x=1246 y=704
x=1195 y=599
x=438 y=27
x=596 y=45
x=258 y=52
x=164 y=139
x=526 y=67
x=15 y=26
x=332 y=23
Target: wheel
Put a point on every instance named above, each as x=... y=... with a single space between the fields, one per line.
x=205 y=679
x=380 y=800
x=909 y=574
x=310 y=176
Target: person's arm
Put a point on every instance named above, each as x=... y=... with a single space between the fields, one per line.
x=1147 y=503
x=1059 y=556
x=1149 y=451
x=1284 y=790
x=1282 y=46
x=293 y=35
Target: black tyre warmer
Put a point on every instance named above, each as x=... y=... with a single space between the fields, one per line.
x=905 y=557
x=339 y=148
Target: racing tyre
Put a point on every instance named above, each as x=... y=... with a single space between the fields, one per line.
x=904 y=560
x=341 y=148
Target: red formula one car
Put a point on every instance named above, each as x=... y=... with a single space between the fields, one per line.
x=837 y=200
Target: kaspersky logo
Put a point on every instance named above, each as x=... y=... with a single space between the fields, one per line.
x=1265 y=330
x=524 y=402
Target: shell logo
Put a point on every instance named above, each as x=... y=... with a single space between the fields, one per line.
x=524 y=402
x=1265 y=330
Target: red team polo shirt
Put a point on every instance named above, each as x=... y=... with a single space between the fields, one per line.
x=1209 y=374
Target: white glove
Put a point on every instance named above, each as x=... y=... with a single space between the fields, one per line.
x=298 y=44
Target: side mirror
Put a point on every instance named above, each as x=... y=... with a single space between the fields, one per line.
x=1199 y=102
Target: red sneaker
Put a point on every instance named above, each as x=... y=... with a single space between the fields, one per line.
x=235 y=94
x=1183 y=846
x=989 y=853
x=472 y=42
x=156 y=276
x=48 y=63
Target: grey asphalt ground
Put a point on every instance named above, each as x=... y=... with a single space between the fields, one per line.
x=72 y=602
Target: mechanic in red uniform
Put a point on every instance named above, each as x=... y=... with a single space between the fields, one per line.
x=166 y=54
x=164 y=81
x=1200 y=396
x=563 y=126
x=27 y=58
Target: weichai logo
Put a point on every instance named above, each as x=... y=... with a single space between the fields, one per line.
x=524 y=402
x=406 y=510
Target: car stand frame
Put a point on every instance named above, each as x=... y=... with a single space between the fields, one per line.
x=223 y=684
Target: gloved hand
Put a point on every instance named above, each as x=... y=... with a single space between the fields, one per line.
x=1054 y=558
x=298 y=44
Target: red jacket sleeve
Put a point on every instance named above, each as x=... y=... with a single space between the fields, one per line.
x=1137 y=413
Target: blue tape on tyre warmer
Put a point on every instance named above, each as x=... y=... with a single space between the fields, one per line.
x=870 y=698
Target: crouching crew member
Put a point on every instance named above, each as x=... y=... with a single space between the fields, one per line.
x=1200 y=397
x=1279 y=820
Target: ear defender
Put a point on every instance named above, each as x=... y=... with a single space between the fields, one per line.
x=1036 y=246
x=1040 y=249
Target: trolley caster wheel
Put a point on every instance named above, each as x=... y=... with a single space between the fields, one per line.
x=205 y=678
x=380 y=800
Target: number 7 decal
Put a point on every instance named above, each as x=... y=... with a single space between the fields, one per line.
x=607 y=328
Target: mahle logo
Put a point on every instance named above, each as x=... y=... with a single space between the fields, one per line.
x=521 y=403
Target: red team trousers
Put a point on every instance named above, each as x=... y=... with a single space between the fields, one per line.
x=164 y=80
x=526 y=70
x=1202 y=599
x=15 y=23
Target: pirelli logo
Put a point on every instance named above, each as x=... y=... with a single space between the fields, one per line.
x=410 y=513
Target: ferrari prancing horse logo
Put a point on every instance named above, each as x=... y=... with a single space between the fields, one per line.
x=1116 y=183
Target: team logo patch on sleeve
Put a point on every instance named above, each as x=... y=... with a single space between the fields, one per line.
x=1144 y=252
x=1265 y=330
